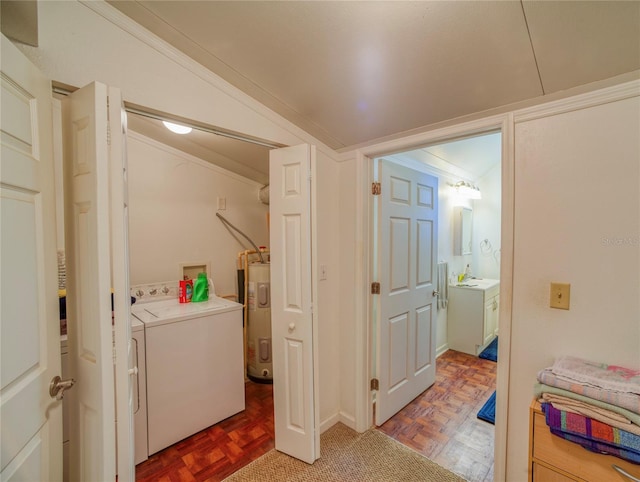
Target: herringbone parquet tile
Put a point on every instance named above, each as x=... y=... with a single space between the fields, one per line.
x=441 y=424
x=215 y=453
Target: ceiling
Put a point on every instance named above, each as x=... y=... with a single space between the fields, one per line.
x=243 y=158
x=469 y=159
x=355 y=72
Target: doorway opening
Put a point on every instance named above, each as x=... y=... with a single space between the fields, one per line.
x=464 y=381
x=177 y=184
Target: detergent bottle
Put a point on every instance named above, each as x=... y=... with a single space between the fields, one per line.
x=200 y=288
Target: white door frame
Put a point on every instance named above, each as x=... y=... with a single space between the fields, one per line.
x=364 y=177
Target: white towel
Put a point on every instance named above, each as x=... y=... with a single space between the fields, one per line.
x=606 y=377
x=443 y=285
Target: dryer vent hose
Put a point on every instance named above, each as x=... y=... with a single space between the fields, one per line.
x=228 y=224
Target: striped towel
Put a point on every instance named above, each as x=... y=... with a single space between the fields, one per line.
x=443 y=285
x=592 y=435
x=600 y=414
x=539 y=389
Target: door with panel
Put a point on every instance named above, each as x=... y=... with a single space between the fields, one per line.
x=31 y=435
x=95 y=243
x=405 y=258
x=293 y=326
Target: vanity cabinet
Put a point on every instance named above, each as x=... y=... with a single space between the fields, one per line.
x=473 y=315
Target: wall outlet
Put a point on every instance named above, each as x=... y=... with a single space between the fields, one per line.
x=559 y=296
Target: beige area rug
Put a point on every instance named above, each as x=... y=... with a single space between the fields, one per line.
x=348 y=456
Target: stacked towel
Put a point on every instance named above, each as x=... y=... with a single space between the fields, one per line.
x=629 y=401
x=579 y=395
x=593 y=435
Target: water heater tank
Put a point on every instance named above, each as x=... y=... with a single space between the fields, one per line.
x=260 y=364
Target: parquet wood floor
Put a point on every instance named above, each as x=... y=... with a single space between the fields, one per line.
x=441 y=424
x=220 y=450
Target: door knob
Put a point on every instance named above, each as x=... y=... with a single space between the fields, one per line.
x=292 y=326
x=436 y=292
x=58 y=386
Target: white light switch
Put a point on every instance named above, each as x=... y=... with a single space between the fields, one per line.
x=222 y=203
x=323 y=272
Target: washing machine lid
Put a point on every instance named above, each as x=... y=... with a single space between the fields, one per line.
x=136 y=324
x=172 y=310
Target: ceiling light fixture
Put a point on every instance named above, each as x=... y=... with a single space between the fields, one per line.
x=468 y=190
x=177 y=128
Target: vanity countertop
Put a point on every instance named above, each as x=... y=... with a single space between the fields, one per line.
x=477 y=284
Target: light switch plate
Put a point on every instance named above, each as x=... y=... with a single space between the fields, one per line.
x=560 y=295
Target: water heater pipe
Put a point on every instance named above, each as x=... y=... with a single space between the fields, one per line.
x=222 y=218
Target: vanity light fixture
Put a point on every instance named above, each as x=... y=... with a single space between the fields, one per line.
x=177 y=128
x=468 y=190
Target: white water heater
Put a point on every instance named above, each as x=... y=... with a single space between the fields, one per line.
x=260 y=364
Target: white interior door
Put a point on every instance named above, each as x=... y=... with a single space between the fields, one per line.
x=88 y=254
x=406 y=261
x=292 y=319
x=125 y=367
x=31 y=435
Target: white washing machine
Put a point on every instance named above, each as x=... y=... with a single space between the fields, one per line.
x=194 y=366
x=139 y=392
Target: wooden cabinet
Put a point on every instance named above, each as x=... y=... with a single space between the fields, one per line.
x=553 y=459
x=473 y=315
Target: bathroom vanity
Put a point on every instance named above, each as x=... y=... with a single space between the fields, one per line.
x=473 y=315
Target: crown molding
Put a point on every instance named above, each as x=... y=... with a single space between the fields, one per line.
x=581 y=101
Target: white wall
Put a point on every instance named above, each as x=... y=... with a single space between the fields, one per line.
x=348 y=276
x=78 y=45
x=486 y=226
x=172 y=215
x=577 y=220
x=329 y=256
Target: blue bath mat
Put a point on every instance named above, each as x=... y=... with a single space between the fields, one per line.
x=488 y=410
x=490 y=352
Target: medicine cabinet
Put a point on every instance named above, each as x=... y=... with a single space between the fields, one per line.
x=462 y=230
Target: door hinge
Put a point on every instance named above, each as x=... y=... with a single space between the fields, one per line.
x=376 y=188
x=375 y=288
x=108 y=123
x=375 y=384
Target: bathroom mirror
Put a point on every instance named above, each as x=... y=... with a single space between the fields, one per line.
x=462 y=230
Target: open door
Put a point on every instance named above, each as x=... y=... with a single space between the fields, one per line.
x=292 y=318
x=406 y=260
x=31 y=435
x=89 y=194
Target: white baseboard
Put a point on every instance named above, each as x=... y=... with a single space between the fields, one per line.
x=341 y=417
x=441 y=349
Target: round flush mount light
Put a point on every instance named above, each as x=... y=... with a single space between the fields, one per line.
x=177 y=128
